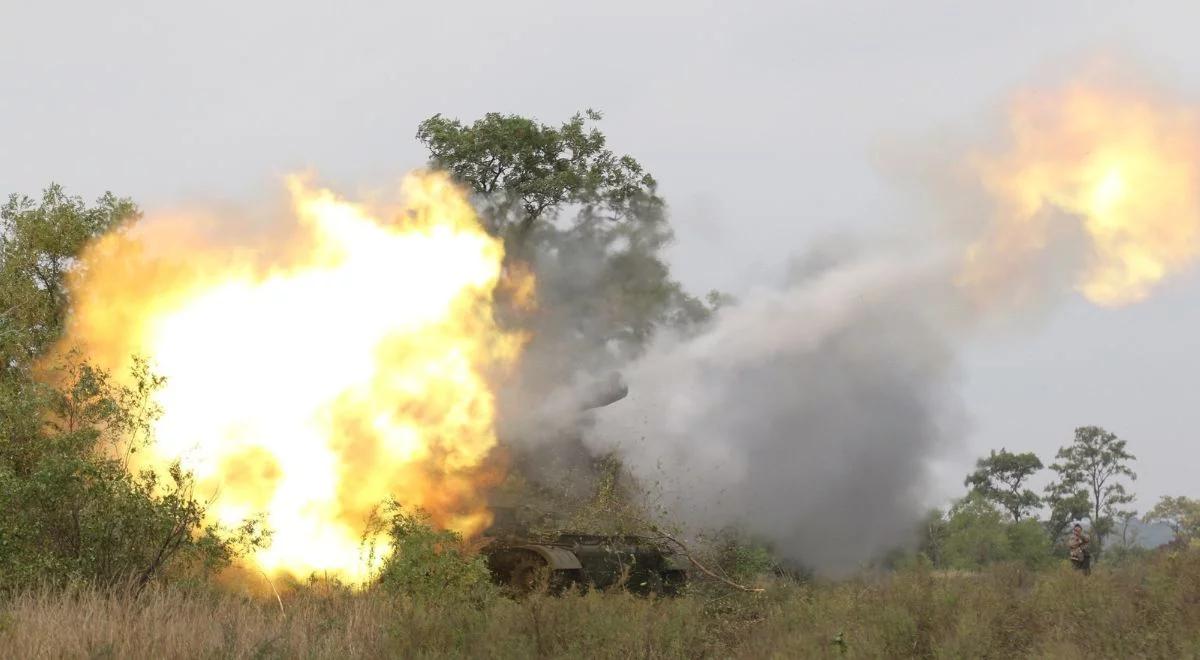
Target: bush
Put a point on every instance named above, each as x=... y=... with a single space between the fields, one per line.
x=74 y=511
x=423 y=561
x=1029 y=544
x=975 y=536
x=741 y=557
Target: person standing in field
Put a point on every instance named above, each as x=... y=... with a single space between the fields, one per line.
x=1081 y=557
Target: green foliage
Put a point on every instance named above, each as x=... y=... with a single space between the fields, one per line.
x=931 y=537
x=1091 y=467
x=590 y=223
x=975 y=534
x=73 y=509
x=425 y=562
x=614 y=503
x=1066 y=506
x=39 y=242
x=741 y=557
x=1124 y=554
x=1029 y=544
x=513 y=161
x=1181 y=514
x=1001 y=476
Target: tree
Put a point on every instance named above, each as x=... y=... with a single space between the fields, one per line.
x=1181 y=514
x=931 y=536
x=1119 y=524
x=590 y=222
x=1092 y=465
x=591 y=227
x=1000 y=478
x=1028 y=543
x=1067 y=504
x=975 y=534
x=525 y=171
x=39 y=243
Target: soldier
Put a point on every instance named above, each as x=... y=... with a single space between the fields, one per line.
x=1081 y=558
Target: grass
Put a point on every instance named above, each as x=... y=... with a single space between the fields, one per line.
x=1150 y=608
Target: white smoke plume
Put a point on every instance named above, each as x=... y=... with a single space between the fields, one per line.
x=805 y=415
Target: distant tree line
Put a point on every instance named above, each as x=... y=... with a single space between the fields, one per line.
x=997 y=520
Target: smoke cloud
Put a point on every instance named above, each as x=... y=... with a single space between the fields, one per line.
x=805 y=415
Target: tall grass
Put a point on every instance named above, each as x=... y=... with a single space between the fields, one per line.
x=1149 y=608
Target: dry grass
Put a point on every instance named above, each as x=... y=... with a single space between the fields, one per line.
x=1148 y=609
x=169 y=623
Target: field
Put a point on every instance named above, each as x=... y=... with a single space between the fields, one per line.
x=1146 y=608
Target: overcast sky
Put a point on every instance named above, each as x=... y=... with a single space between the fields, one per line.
x=764 y=123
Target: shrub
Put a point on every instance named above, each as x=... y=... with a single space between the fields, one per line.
x=1029 y=544
x=975 y=536
x=423 y=561
x=741 y=557
x=75 y=511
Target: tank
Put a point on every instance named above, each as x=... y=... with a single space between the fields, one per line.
x=526 y=562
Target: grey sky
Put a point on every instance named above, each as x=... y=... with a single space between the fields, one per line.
x=764 y=123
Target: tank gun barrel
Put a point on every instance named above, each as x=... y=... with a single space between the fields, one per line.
x=604 y=391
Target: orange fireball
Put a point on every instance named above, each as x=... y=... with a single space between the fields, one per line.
x=1120 y=170
x=309 y=379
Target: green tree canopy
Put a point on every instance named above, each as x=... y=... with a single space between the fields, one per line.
x=1067 y=503
x=1181 y=514
x=1000 y=477
x=975 y=533
x=590 y=223
x=526 y=171
x=1093 y=464
x=39 y=243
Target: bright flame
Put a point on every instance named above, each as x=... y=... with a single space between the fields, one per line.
x=350 y=365
x=1122 y=166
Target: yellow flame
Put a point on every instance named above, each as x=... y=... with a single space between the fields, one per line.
x=1123 y=166
x=349 y=364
